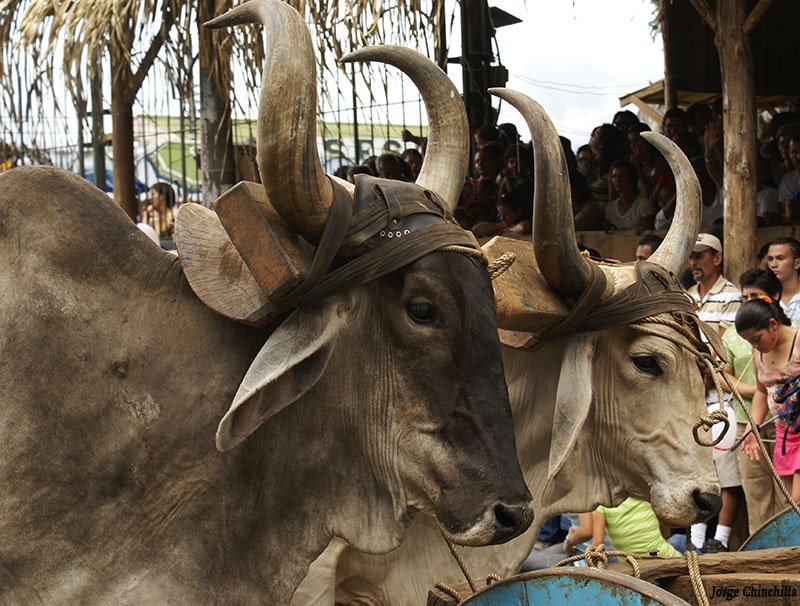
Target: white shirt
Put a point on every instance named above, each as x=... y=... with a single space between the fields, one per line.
x=713 y=212
x=792 y=308
x=641 y=207
x=767 y=201
x=789 y=185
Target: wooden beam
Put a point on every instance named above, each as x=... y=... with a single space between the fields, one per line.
x=755 y=15
x=647 y=109
x=739 y=133
x=702 y=8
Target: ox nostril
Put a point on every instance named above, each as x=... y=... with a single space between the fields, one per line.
x=510 y=521
x=708 y=505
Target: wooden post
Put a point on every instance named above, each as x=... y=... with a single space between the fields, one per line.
x=124 y=171
x=739 y=132
x=670 y=92
x=732 y=25
x=217 y=162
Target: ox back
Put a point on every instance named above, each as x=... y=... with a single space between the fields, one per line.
x=112 y=381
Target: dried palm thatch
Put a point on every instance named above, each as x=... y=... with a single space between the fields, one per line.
x=70 y=36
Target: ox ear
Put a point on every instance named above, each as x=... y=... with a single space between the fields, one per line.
x=290 y=363
x=573 y=402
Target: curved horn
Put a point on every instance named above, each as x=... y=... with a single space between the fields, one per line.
x=288 y=160
x=554 y=244
x=447 y=153
x=682 y=233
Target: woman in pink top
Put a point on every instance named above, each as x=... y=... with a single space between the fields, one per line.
x=763 y=323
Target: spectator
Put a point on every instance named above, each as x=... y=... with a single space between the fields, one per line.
x=608 y=146
x=372 y=164
x=484 y=135
x=517 y=171
x=413 y=158
x=408 y=137
x=586 y=212
x=650 y=165
x=577 y=541
x=766 y=327
x=783 y=259
x=624 y=120
x=633 y=527
x=761 y=494
x=569 y=155
x=767 y=211
x=674 y=121
x=783 y=136
x=647 y=246
x=666 y=203
x=514 y=213
x=789 y=190
x=359 y=169
x=630 y=209
x=478 y=200
x=508 y=135
x=390 y=166
x=698 y=115
x=761 y=257
x=158 y=211
x=585 y=161
x=718 y=300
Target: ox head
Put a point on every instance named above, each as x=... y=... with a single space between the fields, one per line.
x=627 y=399
x=404 y=365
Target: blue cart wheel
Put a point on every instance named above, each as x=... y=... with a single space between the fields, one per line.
x=783 y=530
x=573 y=586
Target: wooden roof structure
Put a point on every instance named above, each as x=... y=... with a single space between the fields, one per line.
x=691 y=54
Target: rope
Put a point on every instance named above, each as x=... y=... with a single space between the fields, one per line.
x=715 y=370
x=597 y=557
x=461 y=565
x=449 y=591
x=697 y=581
x=497 y=267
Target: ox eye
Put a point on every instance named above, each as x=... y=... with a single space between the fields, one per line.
x=648 y=364
x=421 y=313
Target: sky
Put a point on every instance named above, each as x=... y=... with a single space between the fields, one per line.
x=576 y=58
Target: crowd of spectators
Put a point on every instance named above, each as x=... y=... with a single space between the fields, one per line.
x=619 y=181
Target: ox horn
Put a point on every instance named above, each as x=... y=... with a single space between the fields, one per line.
x=288 y=159
x=682 y=234
x=447 y=153
x=554 y=244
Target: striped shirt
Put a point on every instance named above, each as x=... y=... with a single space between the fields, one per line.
x=718 y=308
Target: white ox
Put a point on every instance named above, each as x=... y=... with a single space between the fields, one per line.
x=598 y=416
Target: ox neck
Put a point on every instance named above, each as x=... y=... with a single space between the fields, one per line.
x=303 y=503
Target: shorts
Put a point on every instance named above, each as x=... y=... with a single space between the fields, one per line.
x=728 y=470
x=786 y=464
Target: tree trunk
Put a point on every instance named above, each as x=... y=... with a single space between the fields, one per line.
x=98 y=144
x=670 y=92
x=217 y=161
x=739 y=128
x=124 y=172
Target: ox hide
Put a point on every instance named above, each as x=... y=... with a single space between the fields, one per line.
x=605 y=433
x=113 y=381
x=112 y=486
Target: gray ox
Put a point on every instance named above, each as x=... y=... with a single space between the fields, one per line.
x=598 y=416
x=361 y=408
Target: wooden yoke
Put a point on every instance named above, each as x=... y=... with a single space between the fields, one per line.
x=240 y=257
x=525 y=302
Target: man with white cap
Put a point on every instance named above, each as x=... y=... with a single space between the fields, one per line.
x=719 y=300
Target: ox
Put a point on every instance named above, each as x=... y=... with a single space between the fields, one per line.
x=598 y=415
x=354 y=412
